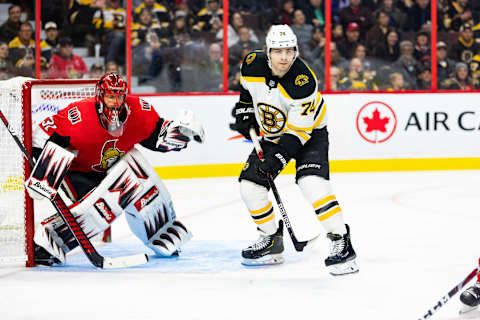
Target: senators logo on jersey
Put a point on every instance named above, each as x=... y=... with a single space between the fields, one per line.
x=110 y=155
x=273 y=119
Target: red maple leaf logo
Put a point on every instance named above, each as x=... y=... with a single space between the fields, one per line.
x=375 y=123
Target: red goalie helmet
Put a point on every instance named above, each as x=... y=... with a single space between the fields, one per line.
x=111 y=92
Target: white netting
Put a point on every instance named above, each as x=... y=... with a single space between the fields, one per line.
x=47 y=99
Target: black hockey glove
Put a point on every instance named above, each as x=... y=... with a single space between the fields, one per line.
x=244 y=119
x=273 y=162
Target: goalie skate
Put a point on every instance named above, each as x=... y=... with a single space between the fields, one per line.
x=266 y=250
x=342 y=256
x=470 y=298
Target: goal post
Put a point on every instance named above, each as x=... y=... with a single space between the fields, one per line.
x=25 y=102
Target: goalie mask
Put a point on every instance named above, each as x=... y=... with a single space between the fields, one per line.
x=281 y=36
x=111 y=92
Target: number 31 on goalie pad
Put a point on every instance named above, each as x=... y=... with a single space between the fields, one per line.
x=49 y=171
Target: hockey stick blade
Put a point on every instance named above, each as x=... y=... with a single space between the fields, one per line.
x=93 y=256
x=298 y=245
x=440 y=303
x=125 y=262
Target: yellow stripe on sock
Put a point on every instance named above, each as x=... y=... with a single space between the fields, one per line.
x=261 y=211
x=270 y=217
x=321 y=203
x=329 y=213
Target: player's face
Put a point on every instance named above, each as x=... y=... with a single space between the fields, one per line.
x=113 y=101
x=281 y=60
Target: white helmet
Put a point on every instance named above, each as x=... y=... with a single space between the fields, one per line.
x=281 y=36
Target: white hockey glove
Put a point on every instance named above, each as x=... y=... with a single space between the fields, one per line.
x=175 y=135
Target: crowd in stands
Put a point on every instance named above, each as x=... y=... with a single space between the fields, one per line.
x=177 y=45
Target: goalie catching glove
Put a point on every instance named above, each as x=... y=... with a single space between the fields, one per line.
x=175 y=135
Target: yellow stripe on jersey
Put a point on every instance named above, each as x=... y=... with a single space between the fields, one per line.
x=320 y=118
x=298 y=133
x=283 y=92
x=254 y=79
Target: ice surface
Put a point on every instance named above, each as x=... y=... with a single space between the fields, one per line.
x=415 y=233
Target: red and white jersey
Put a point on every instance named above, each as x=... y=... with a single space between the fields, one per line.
x=95 y=149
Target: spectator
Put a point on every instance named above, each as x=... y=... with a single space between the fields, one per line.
x=302 y=30
x=210 y=18
x=389 y=49
x=9 y=29
x=95 y=72
x=407 y=64
x=22 y=46
x=314 y=12
x=6 y=67
x=396 y=82
x=233 y=29
x=419 y=16
x=79 y=23
x=64 y=64
x=357 y=78
x=334 y=78
x=161 y=14
x=336 y=59
x=180 y=24
x=360 y=52
x=237 y=52
x=460 y=80
x=110 y=21
x=337 y=32
x=313 y=49
x=286 y=13
x=445 y=66
x=465 y=48
x=210 y=71
x=396 y=17
x=346 y=45
x=50 y=44
x=424 y=78
x=459 y=13
x=378 y=32
x=112 y=66
x=422 y=47
x=357 y=13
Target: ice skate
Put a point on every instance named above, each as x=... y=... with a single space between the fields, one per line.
x=342 y=256
x=42 y=257
x=266 y=250
x=470 y=298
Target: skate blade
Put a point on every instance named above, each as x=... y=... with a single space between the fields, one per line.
x=343 y=268
x=466 y=309
x=269 y=259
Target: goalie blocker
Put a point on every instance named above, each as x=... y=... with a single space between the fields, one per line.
x=131 y=186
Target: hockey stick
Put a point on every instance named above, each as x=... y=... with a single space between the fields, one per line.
x=450 y=294
x=95 y=258
x=299 y=245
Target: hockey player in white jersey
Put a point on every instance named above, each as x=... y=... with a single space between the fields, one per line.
x=280 y=99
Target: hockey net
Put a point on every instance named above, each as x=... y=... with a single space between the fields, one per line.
x=25 y=102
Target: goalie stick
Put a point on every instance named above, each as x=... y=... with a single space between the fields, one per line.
x=440 y=303
x=299 y=245
x=95 y=258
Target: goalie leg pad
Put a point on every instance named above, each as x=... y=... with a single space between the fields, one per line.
x=48 y=237
x=151 y=215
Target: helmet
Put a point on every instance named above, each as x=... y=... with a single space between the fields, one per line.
x=281 y=36
x=114 y=117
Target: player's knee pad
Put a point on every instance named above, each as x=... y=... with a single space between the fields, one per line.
x=260 y=207
x=314 y=187
x=150 y=214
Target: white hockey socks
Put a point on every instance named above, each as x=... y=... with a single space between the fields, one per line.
x=318 y=192
x=256 y=200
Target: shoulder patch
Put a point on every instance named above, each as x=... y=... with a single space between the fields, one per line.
x=74 y=115
x=301 y=80
x=250 y=58
x=145 y=105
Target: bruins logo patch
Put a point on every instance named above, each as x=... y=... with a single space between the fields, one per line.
x=249 y=59
x=246 y=166
x=273 y=119
x=301 y=80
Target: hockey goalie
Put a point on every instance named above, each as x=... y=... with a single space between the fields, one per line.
x=87 y=151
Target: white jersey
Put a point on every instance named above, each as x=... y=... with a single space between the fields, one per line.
x=291 y=104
